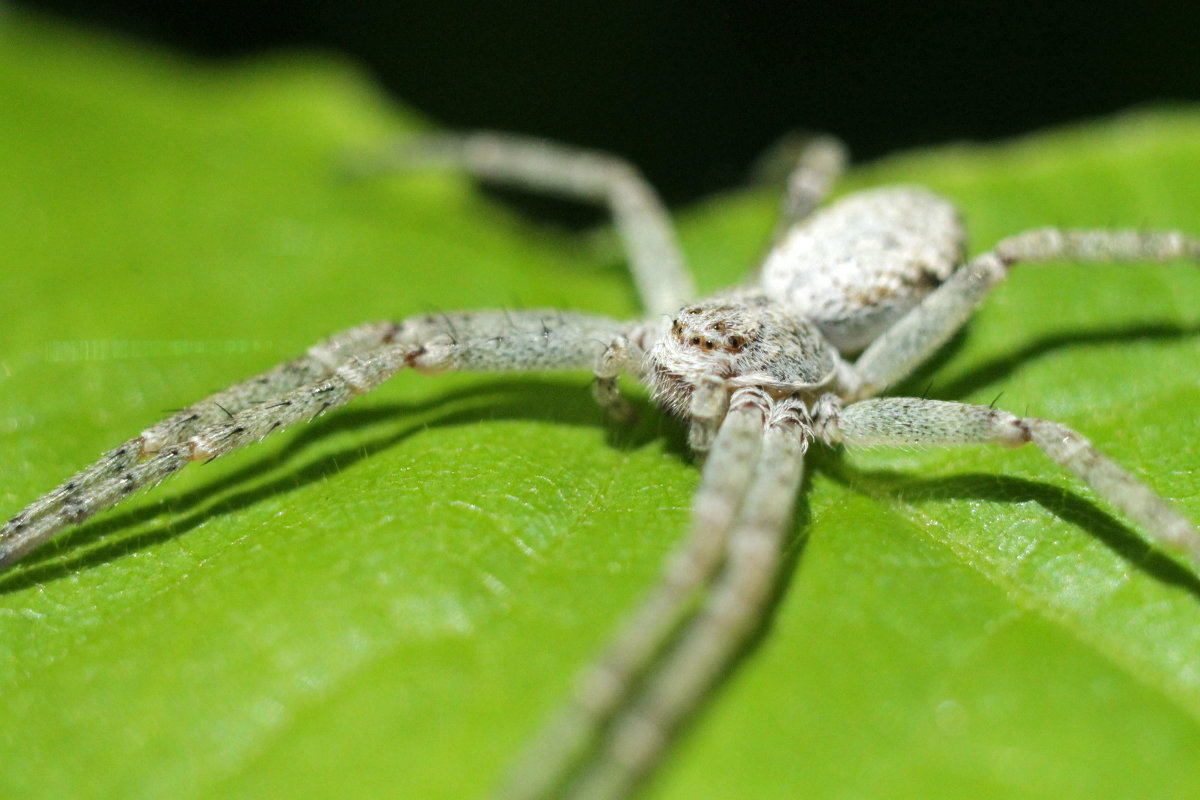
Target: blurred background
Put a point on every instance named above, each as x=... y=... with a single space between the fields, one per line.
x=693 y=91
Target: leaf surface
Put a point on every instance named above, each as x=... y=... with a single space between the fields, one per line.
x=393 y=596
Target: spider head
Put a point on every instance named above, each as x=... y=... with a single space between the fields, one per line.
x=742 y=339
x=714 y=332
x=715 y=337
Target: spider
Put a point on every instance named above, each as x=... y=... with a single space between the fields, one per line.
x=849 y=301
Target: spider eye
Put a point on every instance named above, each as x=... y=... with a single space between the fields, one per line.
x=708 y=344
x=693 y=311
x=696 y=340
x=735 y=342
x=720 y=326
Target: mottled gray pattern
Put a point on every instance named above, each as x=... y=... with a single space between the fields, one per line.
x=857 y=266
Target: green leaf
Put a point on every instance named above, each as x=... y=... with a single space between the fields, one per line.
x=394 y=596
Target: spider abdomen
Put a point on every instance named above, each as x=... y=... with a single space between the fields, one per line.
x=858 y=266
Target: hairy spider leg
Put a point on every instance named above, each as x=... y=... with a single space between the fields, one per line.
x=912 y=422
x=345 y=366
x=915 y=337
x=733 y=610
x=607 y=686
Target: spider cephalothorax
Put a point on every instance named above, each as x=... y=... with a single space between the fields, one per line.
x=737 y=340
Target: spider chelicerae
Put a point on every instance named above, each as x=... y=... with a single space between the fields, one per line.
x=849 y=301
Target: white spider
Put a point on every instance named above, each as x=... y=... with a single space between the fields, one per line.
x=848 y=302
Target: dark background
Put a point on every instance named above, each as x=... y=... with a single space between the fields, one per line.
x=692 y=91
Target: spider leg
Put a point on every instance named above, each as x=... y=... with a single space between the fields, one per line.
x=911 y=422
x=345 y=366
x=611 y=680
x=318 y=362
x=920 y=332
x=706 y=412
x=812 y=165
x=655 y=258
x=621 y=355
x=731 y=613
